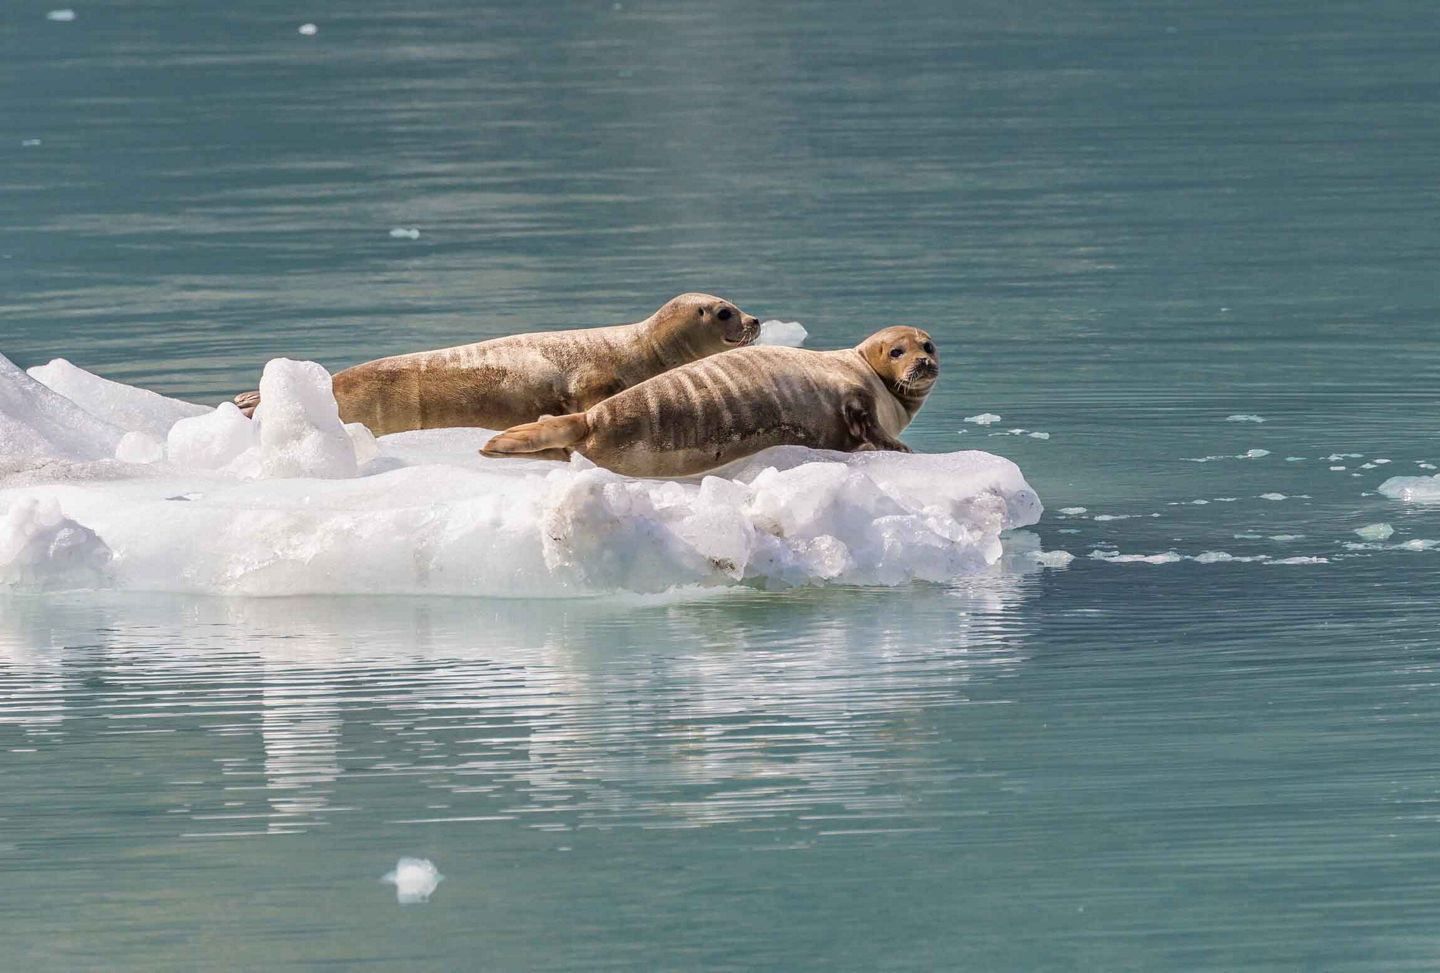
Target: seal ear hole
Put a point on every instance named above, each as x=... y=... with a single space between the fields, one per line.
x=723 y=314
x=896 y=352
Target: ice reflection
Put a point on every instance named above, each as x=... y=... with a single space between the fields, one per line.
x=645 y=712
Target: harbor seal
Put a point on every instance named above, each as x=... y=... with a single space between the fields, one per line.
x=505 y=381
x=712 y=412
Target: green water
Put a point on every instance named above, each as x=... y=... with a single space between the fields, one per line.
x=1122 y=223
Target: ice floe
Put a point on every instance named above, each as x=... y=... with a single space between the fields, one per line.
x=791 y=334
x=415 y=880
x=1412 y=489
x=125 y=490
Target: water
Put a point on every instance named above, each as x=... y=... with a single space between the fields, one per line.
x=1122 y=224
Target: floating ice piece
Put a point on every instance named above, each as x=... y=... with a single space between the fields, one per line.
x=1244 y=417
x=211 y=441
x=1412 y=489
x=1334 y=457
x=38 y=425
x=1294 y=459
x=1380 y=461
x=42 y=549
x=791 y=334
x=1115 y=557
x=1225 y=557
x=1072 y=511
x=1039 y=435
x=1426 y=466
x=1106 y=517
x=415 y=880
x=63 y=16
x=139 y=447
x=1285 y=538
x=130 y=408
x=1054 y=559
x=1337 y=468
x=300 y=429
x=309 y=30
x=1301 y=560
x=1273 y=496
x=1418 y=544
x=29 y=143
x=1255 y=453
x=401 y=233
x=1375 y=532
x=983 y=419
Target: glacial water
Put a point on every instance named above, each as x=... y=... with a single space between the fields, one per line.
x=1208 y=742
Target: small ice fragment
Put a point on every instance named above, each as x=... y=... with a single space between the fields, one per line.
x=1302 y=560
x=401 y=233
x=138 y=447
x=1226 y=499
x=1068 y=530
x=1114 y=557
x=1039 y=435
x=1255 y=453
x=1418 y=544
x=29 y=143
x=790 y=334
x=1294 y=459
x=63 y=16
x=1246 y=537
x=1199 y=503
x=1367 y=466
x=414 y=879
x=1337 y=468
x=1272 y=496
x=210 y=441
x=1244 y=417
x=1016 y=432
x=1380 y=462
x=1054 y=559
x=308 y=29
x=1285 y=538
x=1114 y=516
x=1213 y=557
x=1375 y=532
x=1426 y=466
x=1072 y=511
x=983 y=419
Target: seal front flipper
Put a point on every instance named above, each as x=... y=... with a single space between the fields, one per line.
x=247 y=401
x=553 y=435
x=866 y=429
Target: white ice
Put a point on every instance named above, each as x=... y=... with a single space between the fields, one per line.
x=1244 y=417
x=791 y=334
x=984 y=419
x=1412 y=489
x=309 y=30
x=415 y=880
x=1375 y=532
x=405 y=233
x=63 y=16
x=295 y=503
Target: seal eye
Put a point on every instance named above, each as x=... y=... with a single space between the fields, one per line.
x=896 y=352
x=723 y=314
x=929 y=348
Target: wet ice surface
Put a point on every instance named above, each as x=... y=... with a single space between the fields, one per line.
x=415 y=880
x=295 y=502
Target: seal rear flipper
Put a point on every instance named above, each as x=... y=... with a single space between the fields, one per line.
x=551 y=434
x=247 y=401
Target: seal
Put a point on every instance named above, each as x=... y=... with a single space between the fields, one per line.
x=712 y=412
x=505 y=381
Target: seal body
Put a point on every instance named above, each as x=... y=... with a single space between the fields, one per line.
x=712 y=412
x=515 y=379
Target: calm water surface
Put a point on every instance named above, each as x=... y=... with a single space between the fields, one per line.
x=1123 y=223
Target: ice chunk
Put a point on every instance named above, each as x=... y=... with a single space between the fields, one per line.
x=1302 y=560
x=139 y=447
x=1255 y=453
x=130 y=408
x=415 y=880
x=1375 y=532
x=41 y=548
x=38 y=424
x=1244 y=417
x=63 y=16
x=29 y=143
x=1273 y=496
x=1054 y=559
x=984 y=419
x=401 y=233
x=1039 y=435
x=1115 y=557
x=1072 y=511
x=210 y=441
x=791 y=334
x=1412 y=489
x=309 y=30
x=300 y=429
x=1418 y=544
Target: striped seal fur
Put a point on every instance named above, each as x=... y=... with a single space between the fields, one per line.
x=505 y=381
x=718 y=410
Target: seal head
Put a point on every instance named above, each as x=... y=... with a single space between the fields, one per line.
x=905 y=359
x=697 y=325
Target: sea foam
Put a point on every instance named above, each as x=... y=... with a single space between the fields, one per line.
x=120 y=488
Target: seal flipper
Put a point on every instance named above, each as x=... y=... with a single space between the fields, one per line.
x=551 y=435
x=247 y=401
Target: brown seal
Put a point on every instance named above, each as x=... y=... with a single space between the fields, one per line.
x=499 y=383
x=721 y=409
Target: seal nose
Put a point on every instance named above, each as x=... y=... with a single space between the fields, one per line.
x=751 y=322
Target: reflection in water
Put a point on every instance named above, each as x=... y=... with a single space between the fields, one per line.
x=652 y=712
